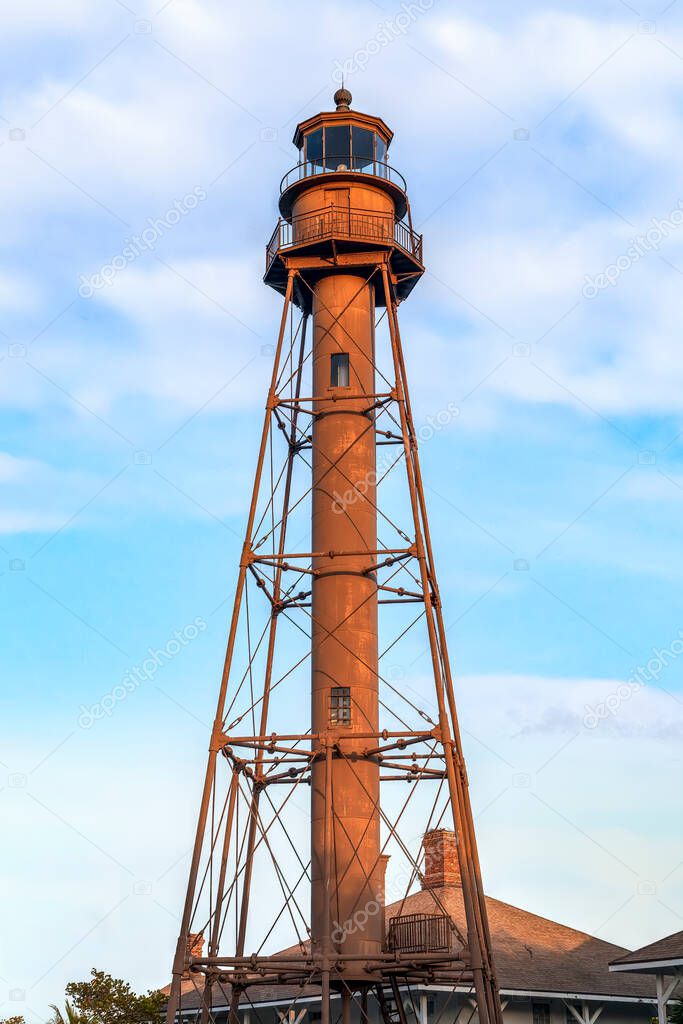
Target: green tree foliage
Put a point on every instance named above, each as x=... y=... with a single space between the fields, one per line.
x=676 y=1012
x=107 y=1000
x=70 y=1016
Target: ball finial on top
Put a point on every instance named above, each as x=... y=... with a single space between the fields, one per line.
x=342 y=98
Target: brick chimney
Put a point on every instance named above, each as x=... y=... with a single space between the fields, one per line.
x=380 y=886
x=195 y=948
x=440 y=859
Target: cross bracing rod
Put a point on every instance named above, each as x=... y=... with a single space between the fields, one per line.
x=333 y=464
x=392 y=828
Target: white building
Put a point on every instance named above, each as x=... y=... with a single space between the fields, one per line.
x=663 y=960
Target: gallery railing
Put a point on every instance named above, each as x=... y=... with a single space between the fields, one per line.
x=337 y=222
x=339 y=164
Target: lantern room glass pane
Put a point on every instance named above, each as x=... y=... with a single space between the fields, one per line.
x=314 y=147
x=337 y=147
x=363 y=148
x=380 y=157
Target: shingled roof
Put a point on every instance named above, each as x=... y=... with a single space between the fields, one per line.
x=666 y=952
x=534 y=954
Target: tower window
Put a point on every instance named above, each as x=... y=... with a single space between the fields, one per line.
x=339 y=370
x=340 y=705
x=314 y=147
x=337 y=147
x=362 y=142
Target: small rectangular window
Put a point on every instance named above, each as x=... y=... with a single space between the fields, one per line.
x=340 y=705
x=540 y=1013
x=339 y=370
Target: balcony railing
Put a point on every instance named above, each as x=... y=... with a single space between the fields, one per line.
x=339 y=164
x=419 y=933
x=339 y=223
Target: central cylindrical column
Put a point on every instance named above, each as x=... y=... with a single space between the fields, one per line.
x=346 y=913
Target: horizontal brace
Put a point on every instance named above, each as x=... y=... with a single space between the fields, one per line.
x=416 y=963
x=292 y=775
x=289 y=556
x=385 y=395
x=408 y=975
x=379 y=960
x=421 y=771
x=276 y=760
x=298 y=781
x=420 y=757
x=400 y=591
x=391 y=560
x=268 y=739
x=424 y=777
x=292 y=602
x=402 y=743
x=416 y=771
x=286 y=567
x=267 y=745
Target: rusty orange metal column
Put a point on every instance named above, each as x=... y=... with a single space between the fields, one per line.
x=346 y=909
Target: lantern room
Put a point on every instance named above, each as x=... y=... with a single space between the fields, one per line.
x=342 y=147
x=345 y=143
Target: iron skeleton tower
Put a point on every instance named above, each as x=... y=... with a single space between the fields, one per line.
x=327 y=761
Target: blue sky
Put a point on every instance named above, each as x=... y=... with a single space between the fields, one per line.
x=537 y=144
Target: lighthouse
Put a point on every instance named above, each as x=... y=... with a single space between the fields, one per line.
x=344 y=256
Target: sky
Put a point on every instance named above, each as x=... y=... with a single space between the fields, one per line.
x=542 y=145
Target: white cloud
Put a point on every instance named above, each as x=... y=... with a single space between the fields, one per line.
x=13 y=469
x=17 y=292
x=527 y=705
x=197 y=335
x=617 y=74
x=27 y=17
